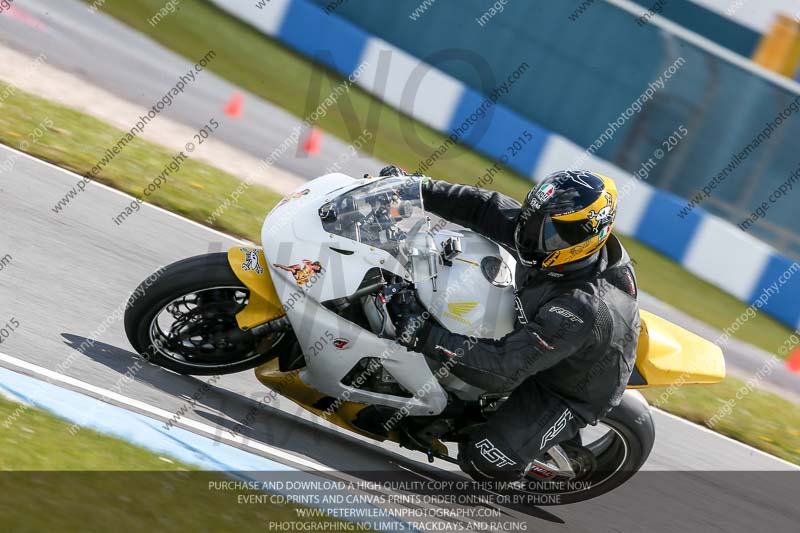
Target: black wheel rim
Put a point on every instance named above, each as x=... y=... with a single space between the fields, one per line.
x=595 y=460
x=199 y=329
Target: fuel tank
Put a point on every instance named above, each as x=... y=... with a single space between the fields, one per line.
x=474 y=291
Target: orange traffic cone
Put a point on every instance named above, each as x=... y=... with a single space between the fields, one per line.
x=793 y=361
x=313 y=141
x=234 y=106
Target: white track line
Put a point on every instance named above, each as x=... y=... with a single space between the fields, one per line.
x=212 y=230
x=126 y=195
x=199 y=427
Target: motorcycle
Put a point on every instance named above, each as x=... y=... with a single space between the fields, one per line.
x=310 y=312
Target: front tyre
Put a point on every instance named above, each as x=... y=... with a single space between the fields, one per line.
x=186 y=320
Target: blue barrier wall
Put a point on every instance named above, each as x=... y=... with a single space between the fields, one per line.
x=586 y=71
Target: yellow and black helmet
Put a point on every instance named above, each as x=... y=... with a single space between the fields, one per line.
x=566 y=218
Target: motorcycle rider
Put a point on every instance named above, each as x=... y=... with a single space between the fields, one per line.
x=573 y=348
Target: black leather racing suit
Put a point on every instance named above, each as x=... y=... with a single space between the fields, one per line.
x=570 y=355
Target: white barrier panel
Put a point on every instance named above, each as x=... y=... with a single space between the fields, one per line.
x=558 y=154
x=727 y=257
x=268 y=18
x=412 y=86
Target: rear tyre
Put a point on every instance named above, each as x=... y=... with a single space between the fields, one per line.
x=608 y=461
x=185 y=320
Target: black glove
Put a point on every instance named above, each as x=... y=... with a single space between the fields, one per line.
x=411 y=321
x=392 y=170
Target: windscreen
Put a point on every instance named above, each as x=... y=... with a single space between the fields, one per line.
x=388 y=214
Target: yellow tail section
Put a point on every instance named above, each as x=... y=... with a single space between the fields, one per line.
x=669 y=354
x=250 y=267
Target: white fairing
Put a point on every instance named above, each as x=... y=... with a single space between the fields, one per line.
x=293 y=233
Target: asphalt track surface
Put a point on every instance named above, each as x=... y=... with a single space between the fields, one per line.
x=72 y=270
x=114 y=57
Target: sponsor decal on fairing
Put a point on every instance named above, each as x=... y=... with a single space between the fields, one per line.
x=302 y=272
x=251 y=260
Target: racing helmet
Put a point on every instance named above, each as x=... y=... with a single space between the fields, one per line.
x=566 y=218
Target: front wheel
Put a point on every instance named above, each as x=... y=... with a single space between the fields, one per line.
x=186 y=320
x=602 y=457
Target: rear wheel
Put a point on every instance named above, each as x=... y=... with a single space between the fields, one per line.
x=602 y=458
x=186 y=320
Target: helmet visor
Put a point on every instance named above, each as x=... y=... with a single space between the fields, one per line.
x=540 y=234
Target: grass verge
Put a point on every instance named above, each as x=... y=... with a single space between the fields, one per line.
x=55 y=481
x=76 y=141
x=37 y=440
x=758 y=418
